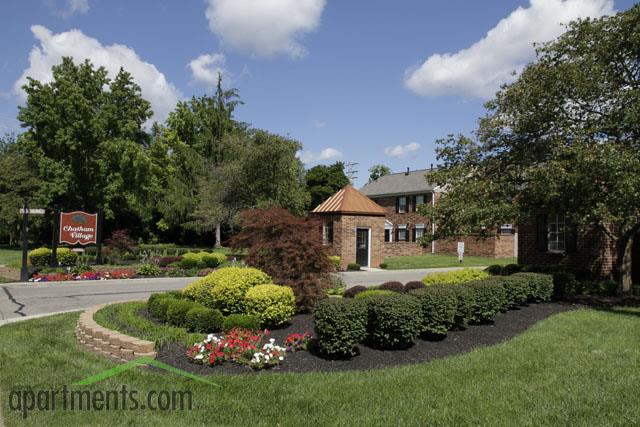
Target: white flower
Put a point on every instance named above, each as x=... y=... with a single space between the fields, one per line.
x=281 y=358
x=199 y=357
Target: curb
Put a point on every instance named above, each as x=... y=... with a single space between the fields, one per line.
x=36 y=316
x=116 y=346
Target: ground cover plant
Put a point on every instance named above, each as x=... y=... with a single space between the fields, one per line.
x=528 y=377
x=439 y=261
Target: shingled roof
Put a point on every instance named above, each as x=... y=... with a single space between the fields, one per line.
x=399 y=183
x=350 y=201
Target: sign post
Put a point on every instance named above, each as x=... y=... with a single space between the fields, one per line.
x=460 y=251
x=24 y=270
x=54 y=238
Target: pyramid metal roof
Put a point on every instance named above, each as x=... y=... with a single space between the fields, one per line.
x=350 y=201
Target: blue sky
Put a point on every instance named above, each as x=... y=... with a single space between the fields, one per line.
x=359 y=81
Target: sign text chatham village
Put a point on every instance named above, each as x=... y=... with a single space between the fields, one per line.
x=78 y=228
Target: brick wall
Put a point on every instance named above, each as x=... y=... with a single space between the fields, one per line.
x=344 y=237
x=595 y=251
x=393 y=249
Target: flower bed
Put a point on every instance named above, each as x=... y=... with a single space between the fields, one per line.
x=87 y=275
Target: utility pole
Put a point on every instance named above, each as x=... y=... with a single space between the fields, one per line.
x=350 y=172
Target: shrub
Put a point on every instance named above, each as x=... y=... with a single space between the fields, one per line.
x=540 y=286
x=148 y=270
x=414 y=284
x=490 y=298
x=517 y=290
x=165 y=261
x=392 y=286
x=66 y=257
x=510 y=269
x=177 y=311
x=384 y=265
x=40 y=257
x=564 y=284
x=394 y=320
x=299 y=261
x=494 y=270
x=189 y=260
x=455 y=277
x=373 y=292
x=212 y=260
x=274 y=305
x=335 y=259
x=603 y=288
x=337 y=288
x=353 y=266
x=204 y=319
x=225 y=288
x=243 y=321
x=121 y=243
x=465 y=307
x=438 y=308
x=340 y=325
x=353 y=291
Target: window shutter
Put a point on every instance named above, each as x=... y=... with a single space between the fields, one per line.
x=571 y=239
x=541 y=233
x=413 y=235
x=397 y=204
x=413 y=203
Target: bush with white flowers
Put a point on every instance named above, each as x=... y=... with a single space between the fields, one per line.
x=270 y=355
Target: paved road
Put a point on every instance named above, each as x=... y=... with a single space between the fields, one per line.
x=28 y=299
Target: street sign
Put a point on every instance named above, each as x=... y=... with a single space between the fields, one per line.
x=32 y=211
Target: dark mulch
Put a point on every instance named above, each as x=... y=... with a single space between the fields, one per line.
x=505 y=326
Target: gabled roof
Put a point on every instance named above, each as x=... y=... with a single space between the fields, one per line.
x=413 y=182
x=348 y=200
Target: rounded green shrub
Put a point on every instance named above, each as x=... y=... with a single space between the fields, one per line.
x=517 y=290
x=203 y=319
x=394 y=320
x=438 y=306
x=335 y=259
x=148 y=270
x=273 y=304
x=225 y=288
x=540 y=286
x=455 y=277
x=340 y=324
x=494 y=270
x=465 y=304
x=66 y=257
x=177 y=311
x=373 y=292
x=40 y=257
x=490 y=299
x=158 y=305
x=510 y=269
x=383 y=265
x=244 y=321
x=352 y=266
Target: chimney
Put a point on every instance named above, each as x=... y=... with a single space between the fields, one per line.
x=407 y=172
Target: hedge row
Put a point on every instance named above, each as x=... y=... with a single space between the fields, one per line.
x=389 y=320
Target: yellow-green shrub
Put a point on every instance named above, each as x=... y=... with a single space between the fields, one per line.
x=273 y=304
x=455 y=277
x=66 y=257
x=202 y=259
x=40 y=257
x=225 y=288
x=335 y=259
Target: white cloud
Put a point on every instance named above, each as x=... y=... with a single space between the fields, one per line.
x=326 y=154
x=400 y=151
x=77 y=6
x=66 y=8
x=162 y=95
x=205 y=69
x=479 y=70
x=320 y=124
x=264 y=27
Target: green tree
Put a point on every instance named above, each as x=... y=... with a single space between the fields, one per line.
x=565 y=137
x=323 y=181
x=376 y=171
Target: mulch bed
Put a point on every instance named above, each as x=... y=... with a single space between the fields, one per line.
x=505 y=326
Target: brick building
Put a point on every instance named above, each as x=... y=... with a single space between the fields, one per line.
x=400 y=194
x=547 y=239
x=381 y=220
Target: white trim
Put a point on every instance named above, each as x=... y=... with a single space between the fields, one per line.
x=388 y=225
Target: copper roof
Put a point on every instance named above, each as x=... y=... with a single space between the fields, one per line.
x=348 y=200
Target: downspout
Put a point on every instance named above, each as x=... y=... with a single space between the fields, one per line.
x=433 y=224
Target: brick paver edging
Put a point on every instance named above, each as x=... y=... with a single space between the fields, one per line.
x=115 y=345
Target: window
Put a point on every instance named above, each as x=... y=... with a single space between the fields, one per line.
x=556 y=233
x=419 y=200
x=402 y=204
x=327 y=232
x=388 y=231
x=506 y=229
x=419 y=231
x=402 y=233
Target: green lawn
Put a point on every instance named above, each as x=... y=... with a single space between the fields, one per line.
x=433 y=261
x=576 y=368
x=10 y=257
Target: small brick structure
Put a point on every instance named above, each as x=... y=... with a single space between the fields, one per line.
x=118 y=347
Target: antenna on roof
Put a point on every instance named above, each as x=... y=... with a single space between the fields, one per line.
x=350 y=172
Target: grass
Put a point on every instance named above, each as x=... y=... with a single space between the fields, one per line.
x=434 y=261
x=11 y=257
x=124 y=317
x=575 y=368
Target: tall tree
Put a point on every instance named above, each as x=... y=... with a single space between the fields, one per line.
x=323 y=181
x=376 y=171
x=565 y=137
